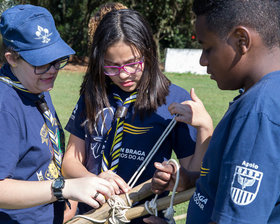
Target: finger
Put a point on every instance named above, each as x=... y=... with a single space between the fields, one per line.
x=91 y=202
x=172 y=108
x=154 y=220
x=118 y=183
x=164 y=167
x=149 y=220
x=115 y=185
x=99 y=198
x=162 y=177
x=105 y=187
x=158 y=188
x=194 y=96
x=122 y=184
x=183 y=119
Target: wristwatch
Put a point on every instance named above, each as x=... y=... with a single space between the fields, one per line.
x=57 y=186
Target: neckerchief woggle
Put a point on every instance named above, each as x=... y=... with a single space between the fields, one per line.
x=55 y=131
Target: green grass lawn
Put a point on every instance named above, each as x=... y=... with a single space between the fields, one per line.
x=66 y=93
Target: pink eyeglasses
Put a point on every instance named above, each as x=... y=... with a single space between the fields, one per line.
x=130 y=68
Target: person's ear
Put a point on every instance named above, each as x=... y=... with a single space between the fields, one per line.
x=243 y=39
x=11 y=59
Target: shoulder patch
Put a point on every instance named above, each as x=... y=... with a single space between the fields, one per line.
x=245 y=185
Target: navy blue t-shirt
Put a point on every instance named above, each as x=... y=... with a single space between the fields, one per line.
x=139 y=136
x=240 y=174
x=26 y=152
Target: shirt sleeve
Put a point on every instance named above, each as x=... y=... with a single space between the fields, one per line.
x=249 y=180
x=76 y=122
x=10 y=144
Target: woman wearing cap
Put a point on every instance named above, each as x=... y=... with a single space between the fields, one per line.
x=32 y=189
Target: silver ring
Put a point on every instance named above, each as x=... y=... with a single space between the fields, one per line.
x=96 y=195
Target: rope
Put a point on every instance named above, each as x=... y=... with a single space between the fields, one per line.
x=90 y=219
x=118 y=211
x=118 y=206
x=153 y=151
x=151 y=206
x=169 y=212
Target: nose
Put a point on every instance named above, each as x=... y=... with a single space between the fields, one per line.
x=52 y=69
x=203 y=59
x=123 y=74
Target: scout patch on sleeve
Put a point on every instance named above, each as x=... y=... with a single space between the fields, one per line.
x=245 y=184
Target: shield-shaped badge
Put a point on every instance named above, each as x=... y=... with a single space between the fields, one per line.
x=245 y=185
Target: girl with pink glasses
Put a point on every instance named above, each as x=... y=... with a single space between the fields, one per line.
x=123 y=109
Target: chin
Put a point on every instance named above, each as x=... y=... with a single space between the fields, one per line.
x=224 y=87
x=128 y=89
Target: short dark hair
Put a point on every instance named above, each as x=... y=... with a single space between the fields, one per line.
x=223 y=15
x=4 y=49
x=130 y=27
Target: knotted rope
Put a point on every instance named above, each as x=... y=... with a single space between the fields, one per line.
x=118 y=210
x=151 y=206
x=119 y=207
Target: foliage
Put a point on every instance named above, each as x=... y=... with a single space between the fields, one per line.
x=171 y=20
x=5 y=4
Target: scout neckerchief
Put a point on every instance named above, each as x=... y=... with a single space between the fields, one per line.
x=55 y=132
x=111 y=153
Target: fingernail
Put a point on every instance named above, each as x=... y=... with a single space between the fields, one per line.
x=159 y=165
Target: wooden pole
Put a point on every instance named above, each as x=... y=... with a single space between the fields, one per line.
x=162 y=203
x=136 y=194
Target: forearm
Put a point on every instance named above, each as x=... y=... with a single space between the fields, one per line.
x=72 y=168
x=16 y=194
x=204 y=135
x=187 y=179
x=74 y=158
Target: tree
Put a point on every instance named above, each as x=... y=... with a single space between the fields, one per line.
x=171 y=20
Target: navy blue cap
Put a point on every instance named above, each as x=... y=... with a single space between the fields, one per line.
x=30 y=31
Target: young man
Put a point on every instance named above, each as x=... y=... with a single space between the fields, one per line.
x=240 y=174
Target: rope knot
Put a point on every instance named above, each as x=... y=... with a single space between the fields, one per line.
x=118 y=210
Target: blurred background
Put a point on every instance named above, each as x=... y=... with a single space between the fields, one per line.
x=171 y=21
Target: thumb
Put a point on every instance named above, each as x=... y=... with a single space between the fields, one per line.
x=194 y=97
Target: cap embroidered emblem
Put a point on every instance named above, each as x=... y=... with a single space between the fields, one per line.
x=43 y=34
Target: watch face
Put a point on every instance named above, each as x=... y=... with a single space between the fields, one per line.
x=58 y=183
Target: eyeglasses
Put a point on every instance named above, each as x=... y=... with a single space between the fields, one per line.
x=130 y=68
x=57 y=64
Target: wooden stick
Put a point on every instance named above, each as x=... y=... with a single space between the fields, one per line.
x=180 y=217
x=136 y=194
x=162 y=203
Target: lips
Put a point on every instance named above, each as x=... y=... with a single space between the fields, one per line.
x=211 y=75
x=47 y=80
x=127 y=83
